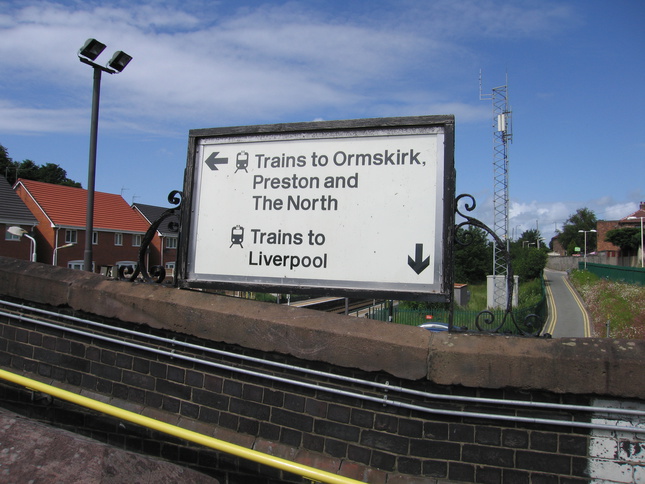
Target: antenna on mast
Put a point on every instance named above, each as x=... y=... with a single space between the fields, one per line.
x=502 y=136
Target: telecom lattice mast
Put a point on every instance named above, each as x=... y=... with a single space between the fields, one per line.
x=502 y=136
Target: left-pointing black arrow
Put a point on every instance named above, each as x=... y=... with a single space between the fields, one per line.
x=212 y=161
x=418 y=264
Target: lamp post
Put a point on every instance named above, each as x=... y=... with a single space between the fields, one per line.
x=586 y=232
x=642 y=248
x=55 y=256
x=87 y=54
x=20 y=232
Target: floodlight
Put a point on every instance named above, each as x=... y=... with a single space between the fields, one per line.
x=92 y=49
x=87 y=55
x=119 y=60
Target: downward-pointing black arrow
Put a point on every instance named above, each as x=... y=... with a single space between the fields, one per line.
x=418 y=264
x=212 y=161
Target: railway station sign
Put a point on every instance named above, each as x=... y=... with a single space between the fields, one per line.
x=356 y=207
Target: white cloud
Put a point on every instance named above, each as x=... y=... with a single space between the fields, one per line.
x=37 y=120
x=204 y=63
x=550 y=216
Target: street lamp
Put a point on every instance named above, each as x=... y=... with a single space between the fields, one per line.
x=87 y=55
x=55 y=256
x=20 y=232
x=642 y=248
x=586 y=232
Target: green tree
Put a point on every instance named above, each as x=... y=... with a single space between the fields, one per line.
x=529 y=238
x=529 y=263
x=473 y=255
x=7 y=165
x=527 y=259
x=27 y=169
x=628 y=239
x=51 y=173
x=570 y=235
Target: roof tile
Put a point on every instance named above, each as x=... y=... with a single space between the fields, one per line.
x=67 y=206
x=12 y=209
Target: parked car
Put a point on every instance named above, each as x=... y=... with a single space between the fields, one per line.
x=435 y=326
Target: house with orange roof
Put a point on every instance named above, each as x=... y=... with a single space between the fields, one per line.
x=603 y=226
x=60 y=234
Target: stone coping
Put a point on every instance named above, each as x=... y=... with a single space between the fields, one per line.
x=597 y=366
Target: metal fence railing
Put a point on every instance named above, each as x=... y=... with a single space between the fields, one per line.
x=467 y=319
x=629 y=275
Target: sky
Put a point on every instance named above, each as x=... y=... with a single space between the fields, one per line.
x=574 y=71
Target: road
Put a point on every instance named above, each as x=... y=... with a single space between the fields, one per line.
x=568 y=317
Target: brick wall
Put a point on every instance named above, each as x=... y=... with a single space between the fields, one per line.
x=361 y=436
x=363 y=439
x=617 y=455
x=20 y=249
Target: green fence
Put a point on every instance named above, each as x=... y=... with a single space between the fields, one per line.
x=629 y=275
x=467 y=319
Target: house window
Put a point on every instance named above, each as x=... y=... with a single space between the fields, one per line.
x=118 y=238
x=171 y=242
x=136 y=240
x=76 y=264
x=71 y=236
x=95 y=238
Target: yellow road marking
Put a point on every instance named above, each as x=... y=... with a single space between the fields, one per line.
x=553 y=311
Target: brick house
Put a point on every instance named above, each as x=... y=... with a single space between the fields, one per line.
x=604 y=226
x=14 y=212
x=163 y=248
x=61 y=214
x=631 y=220
x=556 y=246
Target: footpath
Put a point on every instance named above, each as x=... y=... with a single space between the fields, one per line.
x=568 y=317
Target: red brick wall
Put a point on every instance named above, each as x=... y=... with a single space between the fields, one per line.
x=603 y=227
x=18 y=249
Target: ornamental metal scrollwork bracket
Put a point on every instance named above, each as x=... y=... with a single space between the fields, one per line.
x=485 y=320
x=157 y=273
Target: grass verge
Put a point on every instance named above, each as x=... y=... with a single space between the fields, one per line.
x=617 y=305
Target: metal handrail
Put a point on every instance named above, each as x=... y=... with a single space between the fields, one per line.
x=312 y=473
x=384 y=399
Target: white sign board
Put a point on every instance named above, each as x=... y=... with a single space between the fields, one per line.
x=337 y=211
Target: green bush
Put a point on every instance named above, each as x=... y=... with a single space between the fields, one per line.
x=265 y=297
x=531 y=293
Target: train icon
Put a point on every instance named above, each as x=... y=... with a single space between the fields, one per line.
x=242 y=161
x=237 y=236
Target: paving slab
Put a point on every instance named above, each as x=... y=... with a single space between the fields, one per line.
x=33 y=452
